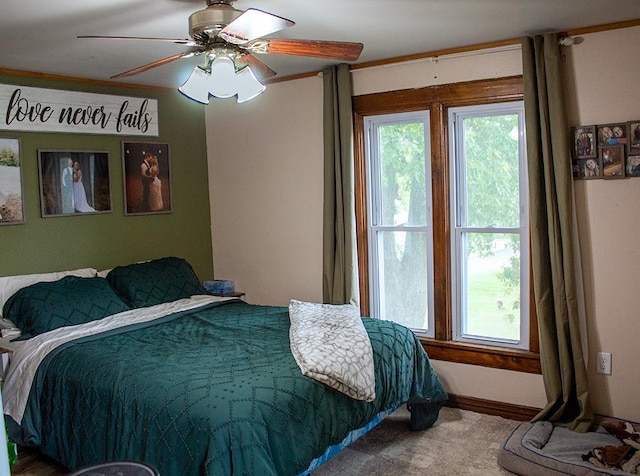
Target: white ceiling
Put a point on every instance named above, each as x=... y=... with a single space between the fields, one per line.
x=40 y=36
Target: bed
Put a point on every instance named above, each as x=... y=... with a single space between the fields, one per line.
x=143 y=365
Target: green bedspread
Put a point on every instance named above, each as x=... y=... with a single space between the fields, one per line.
x=213 y=391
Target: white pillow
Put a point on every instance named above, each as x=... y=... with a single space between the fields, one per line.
x=9 y=285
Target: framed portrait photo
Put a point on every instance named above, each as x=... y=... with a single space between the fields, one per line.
x=633 y=166
x=612 y=158
x=633 y=133
x=147 y=178
x=612 y=134
x=11 y=201
x=587 y=169
x=584 y=142
x=74 y=182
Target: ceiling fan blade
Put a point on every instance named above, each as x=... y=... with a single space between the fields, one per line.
x=155 y=64
x=253 y=24
x=339 y=50
x=261 y=70
x=178 y=41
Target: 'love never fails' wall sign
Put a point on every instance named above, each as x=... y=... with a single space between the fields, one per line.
x=29 y=109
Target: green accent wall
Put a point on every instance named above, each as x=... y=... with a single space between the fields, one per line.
x=106 y=240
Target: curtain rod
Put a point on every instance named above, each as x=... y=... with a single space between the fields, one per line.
x=435 y=57
x=564 y=41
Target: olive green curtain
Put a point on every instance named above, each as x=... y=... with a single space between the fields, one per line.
x=339 y=269
x=553 y=236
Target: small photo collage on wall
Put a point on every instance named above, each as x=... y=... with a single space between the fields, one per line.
x=608 y=151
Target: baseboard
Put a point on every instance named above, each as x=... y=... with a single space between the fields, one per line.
x=489 y=407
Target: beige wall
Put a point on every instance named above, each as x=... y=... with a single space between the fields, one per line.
x=265 y=167
x=265 y=171
x=606 y=67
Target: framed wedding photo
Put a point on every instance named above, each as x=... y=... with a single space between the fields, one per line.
x=74 y=182
x=584 y=142
x=11 y=201
x=147 y=178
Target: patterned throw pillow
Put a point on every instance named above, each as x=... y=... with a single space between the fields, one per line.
x=155 y=282
x=9 y=285
x=71 y=300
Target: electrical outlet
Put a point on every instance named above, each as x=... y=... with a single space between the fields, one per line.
x=603 y=363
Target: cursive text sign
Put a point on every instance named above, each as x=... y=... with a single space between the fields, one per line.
x=29 y=109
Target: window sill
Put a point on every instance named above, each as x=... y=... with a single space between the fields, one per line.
x=485 y=356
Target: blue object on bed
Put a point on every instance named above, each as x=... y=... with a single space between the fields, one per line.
x=219 y=286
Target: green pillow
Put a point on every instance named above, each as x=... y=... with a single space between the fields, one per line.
x=71 y=300
x=155 y=282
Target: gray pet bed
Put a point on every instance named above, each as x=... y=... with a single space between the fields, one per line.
x=542 y=449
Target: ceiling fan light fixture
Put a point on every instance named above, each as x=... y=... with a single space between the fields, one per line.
x=223 y=77
x=220 y=79
x=248 y=86
x=196 y=87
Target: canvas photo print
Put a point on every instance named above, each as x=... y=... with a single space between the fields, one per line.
x=147 y=178
x=74 y=182
x=11 y=204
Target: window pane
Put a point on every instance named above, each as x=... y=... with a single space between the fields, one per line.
x=491 y=285
x=404 y=277
x=491 y=171
x=402 y=174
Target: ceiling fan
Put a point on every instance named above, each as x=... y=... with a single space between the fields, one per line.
x=220 y=30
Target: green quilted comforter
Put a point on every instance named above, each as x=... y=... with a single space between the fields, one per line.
x=211 y=391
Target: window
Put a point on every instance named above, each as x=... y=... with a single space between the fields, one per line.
x=399 y=217
x=442 y=219
x=490 y=264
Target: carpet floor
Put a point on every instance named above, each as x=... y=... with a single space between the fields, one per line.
x=460 y=443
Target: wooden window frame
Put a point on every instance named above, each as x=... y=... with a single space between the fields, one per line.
x=437 y=100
